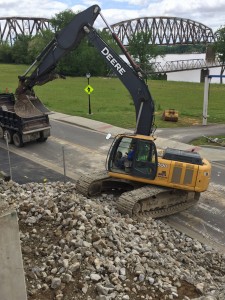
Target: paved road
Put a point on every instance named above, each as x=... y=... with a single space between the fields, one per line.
x=79 y=149
x=187 y=134
x=204 y=221
x=25 y=170
x=85 y=151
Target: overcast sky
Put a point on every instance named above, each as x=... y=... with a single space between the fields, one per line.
x=208 y=12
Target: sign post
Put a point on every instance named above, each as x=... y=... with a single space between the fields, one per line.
x=205 y=101
x=206 y=96
x=7 y=145
x=89 y=89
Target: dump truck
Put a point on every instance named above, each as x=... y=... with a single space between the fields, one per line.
x=19 y=129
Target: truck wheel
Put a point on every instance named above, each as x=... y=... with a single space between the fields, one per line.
x=17 y=139
x=1 y=133
x=42 y=138
x=8 y=134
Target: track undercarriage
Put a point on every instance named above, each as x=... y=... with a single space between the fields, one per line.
x=138 y=199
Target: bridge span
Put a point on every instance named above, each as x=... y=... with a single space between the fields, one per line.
x=164 y=30
x=182 y=65
x=12 y=27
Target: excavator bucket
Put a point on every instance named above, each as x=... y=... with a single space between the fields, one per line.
x=39 y=105
x=170 y=115
x=29 y=106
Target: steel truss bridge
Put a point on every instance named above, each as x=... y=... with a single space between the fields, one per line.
x=165 y=31
x=11 y=27
x=182 y=65
x=170 y=31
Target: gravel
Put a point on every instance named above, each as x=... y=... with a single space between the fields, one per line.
x=79 y=248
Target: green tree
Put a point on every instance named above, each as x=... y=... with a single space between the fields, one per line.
x=219 y=48
x=62 y=19
x=141 y=50
x=77 y=62
x=20 y=50
x=5 y=53
x=37 y=44
x=107 y=37
x=85 y=58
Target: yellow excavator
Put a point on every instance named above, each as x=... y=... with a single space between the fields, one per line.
x=150 y=182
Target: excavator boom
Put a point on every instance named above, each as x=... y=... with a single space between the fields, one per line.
x=68 y=39
x=132 y=80
x=64 y=41
x=42 y=69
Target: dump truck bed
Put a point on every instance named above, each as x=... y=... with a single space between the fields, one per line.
x=29 y=128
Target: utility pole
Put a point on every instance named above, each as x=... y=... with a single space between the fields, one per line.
x=206 y=96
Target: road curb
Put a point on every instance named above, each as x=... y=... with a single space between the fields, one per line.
x=4 y=176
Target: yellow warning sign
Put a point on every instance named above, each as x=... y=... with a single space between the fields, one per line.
x=89 y=89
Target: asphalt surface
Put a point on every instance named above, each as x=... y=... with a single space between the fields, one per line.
x=187 y=134
x=25 y=170
x=86 y=149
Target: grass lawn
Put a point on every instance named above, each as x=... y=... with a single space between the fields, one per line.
x=218 y=140
x=112 y=103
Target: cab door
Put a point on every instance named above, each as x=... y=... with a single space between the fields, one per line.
x=145 y=159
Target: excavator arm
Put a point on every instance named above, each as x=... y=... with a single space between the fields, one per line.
x=67 y=40
x=64 y=41
x=131 y=77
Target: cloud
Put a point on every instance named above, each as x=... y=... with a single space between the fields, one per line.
x=134 y=2
x=211 y=13
x=117 y=15
x=208 y=12
x=28 y=8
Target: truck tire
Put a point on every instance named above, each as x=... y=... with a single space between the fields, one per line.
x=8 y=133
x=42 y=138
x=1 y=132
x=17 y=140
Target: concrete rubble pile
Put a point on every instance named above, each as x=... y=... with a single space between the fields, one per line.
x=69 y=240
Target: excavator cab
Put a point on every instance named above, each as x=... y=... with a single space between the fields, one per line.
x=134 y=155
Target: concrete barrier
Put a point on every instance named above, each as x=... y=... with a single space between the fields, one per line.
x=12 y=279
